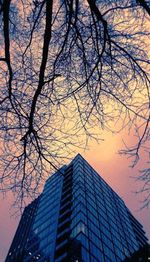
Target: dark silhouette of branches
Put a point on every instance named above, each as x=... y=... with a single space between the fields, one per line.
x=65 y=67
x=6 y=7
x=145 y=5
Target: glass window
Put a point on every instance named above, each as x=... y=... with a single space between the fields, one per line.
x=95 y=239
x=79 y=228
x=119 y=253
x=106 y=231
x=107 y=241
x=93 y=228
x=96 y=252
x=93 y=259
x=109 y=253
x=84 y=240
x=85 y=255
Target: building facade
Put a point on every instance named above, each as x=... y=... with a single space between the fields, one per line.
x=18 y=247
x=78 y=217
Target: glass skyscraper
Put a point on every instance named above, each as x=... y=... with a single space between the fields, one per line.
x=78 y=217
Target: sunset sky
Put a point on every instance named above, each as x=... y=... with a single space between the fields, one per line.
x=111 y=166
x=84 y=76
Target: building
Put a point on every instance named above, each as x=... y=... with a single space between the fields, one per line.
x=78 y=217
x=17 y=249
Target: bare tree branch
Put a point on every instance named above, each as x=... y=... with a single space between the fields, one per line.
x=65 y=67
x=145 y=5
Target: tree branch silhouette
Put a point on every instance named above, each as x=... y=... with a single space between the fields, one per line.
x=66 y=66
